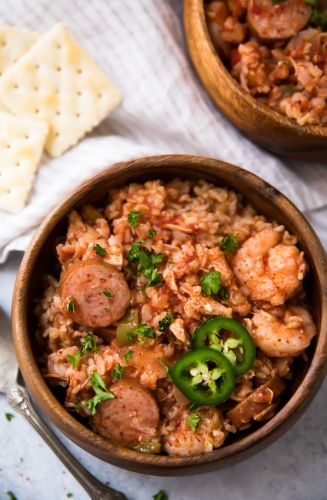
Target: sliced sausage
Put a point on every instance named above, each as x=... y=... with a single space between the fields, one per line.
x=277 y=21
x=260 y=400
x=129 y=419
x=94 y=293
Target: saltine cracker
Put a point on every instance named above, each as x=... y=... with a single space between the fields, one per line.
x=57 y=81
x=14 y=42
x=21 y=146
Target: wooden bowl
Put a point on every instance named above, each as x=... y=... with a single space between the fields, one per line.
x=40 y=258
x=262 y=125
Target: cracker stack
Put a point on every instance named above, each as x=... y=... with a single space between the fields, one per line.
x=57 y=94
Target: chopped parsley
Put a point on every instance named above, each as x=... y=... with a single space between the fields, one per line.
x=107 y=293
x=99 y=250
x=102 y=393
x=145 y=331
x=210 y=283
x=154 y=278
x=151 y=233
x=117 y=373
x=70 y=306
x=89 y=343
x=128 y=355
x=317 y=17
x=147 y=263
x=193 y=421
x=230 y=243
x=165 y=322
x=161 y=495
x=134 y=252
x=276 y=2
x=9 y=416
x=142 y=332
x=224 y=294
x=69 y=495
x=131 y=336
x=134 y=218
x=11 y=495
x=74 y=360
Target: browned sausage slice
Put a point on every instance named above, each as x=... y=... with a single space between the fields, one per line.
x=277 y=21
x=257 y=403
x=129 y=419
x=94 y=293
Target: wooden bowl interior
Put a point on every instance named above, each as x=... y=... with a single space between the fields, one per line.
x=41 y=259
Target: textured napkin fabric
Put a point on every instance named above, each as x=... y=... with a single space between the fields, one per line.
x=139 y=44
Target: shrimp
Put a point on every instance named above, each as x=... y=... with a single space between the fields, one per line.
x=282 y=337
x=267 y=270
x=182 y=441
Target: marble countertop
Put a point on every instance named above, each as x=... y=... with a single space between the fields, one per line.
x=293 y=468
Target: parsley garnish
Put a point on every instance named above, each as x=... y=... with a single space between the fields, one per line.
x=276 y=2
x=317 y=17
x=102 y=393
x=229 y=243
x=142 y=332
x=99 y=250
x=161 y=495
x=165 y=322
x=74 y=360
x=151 y=233
x=210 y=283
x=117 y=373
x=70 y=306
x=131 y=336
x=193 y=421
x=89 y=343
x=9 y=416
x=224 y=293
x=11 y=495
x=69 y=495
x=128 y=355
x=134 y=252
x=134 y=218
x=147 y=263
x=145 y=331
x=107 y=293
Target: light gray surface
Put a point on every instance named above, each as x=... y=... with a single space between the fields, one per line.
x=294 y=468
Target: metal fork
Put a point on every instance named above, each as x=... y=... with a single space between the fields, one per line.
x=19 y=400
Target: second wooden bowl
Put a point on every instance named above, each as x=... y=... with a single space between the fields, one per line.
x=41 y=259
x=266 y=127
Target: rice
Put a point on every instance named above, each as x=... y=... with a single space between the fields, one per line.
x=185 y=223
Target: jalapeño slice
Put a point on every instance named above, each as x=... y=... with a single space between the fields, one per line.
x=228 y=337
x=204 y=376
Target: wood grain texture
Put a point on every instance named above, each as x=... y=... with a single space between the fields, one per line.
x=269 y=129
x=40 y=258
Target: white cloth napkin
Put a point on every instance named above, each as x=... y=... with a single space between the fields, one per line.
x=139 y=43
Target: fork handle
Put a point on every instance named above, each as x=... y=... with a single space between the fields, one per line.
x=19 y=400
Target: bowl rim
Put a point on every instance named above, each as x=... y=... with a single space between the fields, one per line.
x=95 y=444
x=279 y=118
